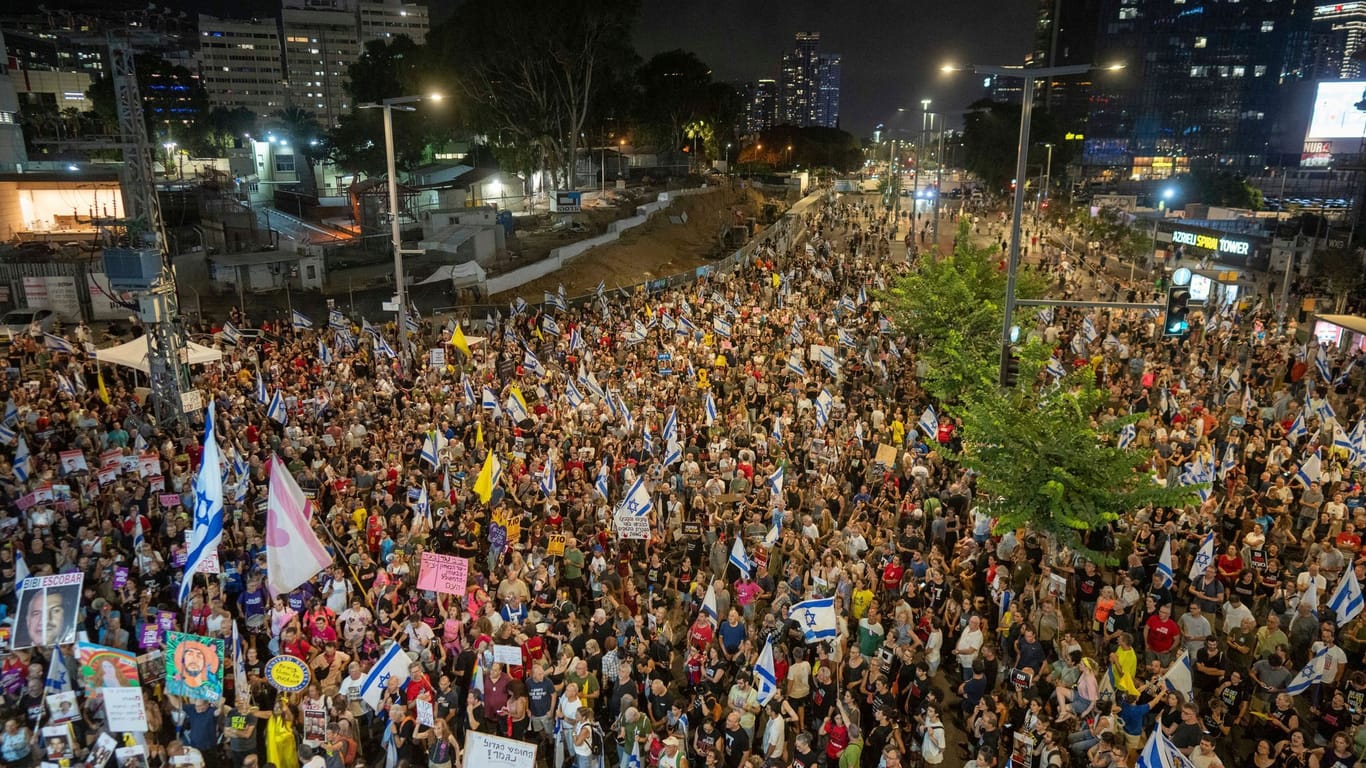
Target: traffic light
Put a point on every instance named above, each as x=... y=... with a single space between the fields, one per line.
x=1010 y=366
x=1178 y=310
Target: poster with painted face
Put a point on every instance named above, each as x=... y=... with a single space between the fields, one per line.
x=47 y=611
x=103 y=667
x=194 y=666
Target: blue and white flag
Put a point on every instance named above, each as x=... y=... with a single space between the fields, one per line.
x=1310 y=470
x=1088 y=329
x=518 y=306
x=428 y=453
x=367 y=328
x=765 y=675
x=846 y=339
x=1229 y=463
x=7 y=434
x=412 y=322
x=207 y=532
x=829 y=363
x=1203 y=558
x=572 y=394
x=722 y=326
x=1297 y=430
x=301 y=321
x=648 y=438
x=1347 y=600
x=740 y=558
x=382 y=348
x=547 y=479
x=58 y=678
x=423 y=506
x=775 y=480
x=929 y=423
x=1325 y=370
x=1055 y=369
x=673 y=452
x=324 y=354
x=794 y=365
x=824 y=404
x=600 y=290
x=1160 y=752
x=862 y=295
x=276 y=409
x=600 y=483
x=1341 y=380
x=576 y=339
x=816 y=618
x=1046 y=315
x=262 y=396
x=23 y=462
x=1311 y=673
x=1127 y=434
x=11 y=413
x=794 y=334
x=709 y=604
x=64 y=386
x=488 y=400
x=671 y=426
x=710 y=408
x=1164 y=564
x=637 y=500
x=555 y=300
x=392 y=665
x=58 y=344
x=337 y=321
x=777 y=433
x=231 y=335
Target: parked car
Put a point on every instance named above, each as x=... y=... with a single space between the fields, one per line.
x=17 y=321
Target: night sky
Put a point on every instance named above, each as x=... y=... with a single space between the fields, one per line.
x=892 y=49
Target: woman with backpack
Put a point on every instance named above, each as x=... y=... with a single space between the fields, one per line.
x=587 y=740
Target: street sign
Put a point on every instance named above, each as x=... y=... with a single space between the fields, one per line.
x=568 y=202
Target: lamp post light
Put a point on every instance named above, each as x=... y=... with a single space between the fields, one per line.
x=1030 y=75
x=1042 y=200
x=401 y=103
x=919 y=156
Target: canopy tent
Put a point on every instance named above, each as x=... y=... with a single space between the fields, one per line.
x=133 y=354
x=469 y=273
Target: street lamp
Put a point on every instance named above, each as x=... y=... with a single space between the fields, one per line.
x=171 y=153
x=1042 y=200
x=728 y=157
x=1029 y=75
x=389 y=105
x=789 y=155
x=919 y=155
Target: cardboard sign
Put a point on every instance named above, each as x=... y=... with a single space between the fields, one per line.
x=886 y=455
x=692 y=529
x=149 y=636
x=194 y=666
x=315 y=726
x=168 y=500
x=508 y=654
x=425 y=715
x=554 y=544
x=482 y=749
x=120 y=576
x=125 y=710
x=443 y=573
x=629 y=526
x=437 y=357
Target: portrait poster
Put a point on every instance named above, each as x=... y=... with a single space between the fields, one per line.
x=62 y=707
x=194 y=666
x=103 y=667
x=315 y=726
x=131 y=757
x=47 y=611
x=57 y=742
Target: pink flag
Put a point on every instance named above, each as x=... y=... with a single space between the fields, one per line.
x=293 y=552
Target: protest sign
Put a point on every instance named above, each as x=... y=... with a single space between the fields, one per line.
x=73 y=461
x=102 y=667
x=438 y=357
x=120 y=576
x=482 y=749
x=194 y=666
x=47 y=611
x=58 y=743
x=554 y=544
x=151 y=667
x=62 y=707
x=425 y=715
x=629 y=526
x=315 y=726
x=510 y=655
x=149 y=637
x=131 y=757
x=125 y=710
x=287 y=673
x=443 y=573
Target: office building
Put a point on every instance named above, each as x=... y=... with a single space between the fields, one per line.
x=12 y=153
x=1065 y=35
x=1336 y=36
x=761 y=105
x=385 y=20
x=239 y=64
x=321 y=40
x=810 y=84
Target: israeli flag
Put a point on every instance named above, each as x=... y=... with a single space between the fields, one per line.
x=778 y=429
x=1164 y=564
x=637 y=501
x=648 y=438
x=532 y=365
x=824 y=404
x=392 y=665
x=794 y=365
x=469 y=393
x=775 y=481
x=600 y=484
x=58 y=344
x=572 y=394
x=671 y=426
x=1297 y=430
x=862 y=296
x=23 y=462
x=846 y=339
x=489 y=401
x=1347 y=600
x=576 y=339
x=1055 y=368
x=428 y=453
x=721 y=326
x=1341 y=380
x=829 y=363
x=423 y=506
x=600 y=290
x=1311 y=673
x=1248 y=402
x=366 y=327
x=554 y=300
x=382 y=347
x=1310 y=470
x=7 y=434
x=816 y=618
x=547 y=478
x=794 y=334
x=1325 y=371
x=1079 y=345
x=231 y=334
x=207 y=532
x=11 y=413
x=411 y=322
x=1046 y=315
x=929 y=423
x=336 y=320
x=58 y=679
x=240 y=467
x=1088 y=329
x=1160 y=752
x=1127 y=434
x=765 y=676
x=262 y=396
x=709 y=604
x=847 y=304
x=276 y=409
x=1229 y=463
x=64 y=386
x=324 y=354
x=516 y=407
x=710 y=408
x=673 y=452
x=1203 y=558
x=740 y=559
x=301 y=321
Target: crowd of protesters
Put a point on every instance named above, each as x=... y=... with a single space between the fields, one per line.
x=954 y=641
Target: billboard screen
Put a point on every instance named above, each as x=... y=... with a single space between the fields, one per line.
x=1335 y=113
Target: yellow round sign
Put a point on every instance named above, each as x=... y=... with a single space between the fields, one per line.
x=288 y=673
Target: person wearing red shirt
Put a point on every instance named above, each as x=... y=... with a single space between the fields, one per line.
x=418 y=683
x=891 y=576
x=1161 y=635
x=702 y=632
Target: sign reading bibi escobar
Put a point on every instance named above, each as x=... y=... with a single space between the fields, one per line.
x=47 y=611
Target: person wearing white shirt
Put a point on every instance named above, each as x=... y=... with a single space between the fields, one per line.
x=969 y=645
x=1235 y=610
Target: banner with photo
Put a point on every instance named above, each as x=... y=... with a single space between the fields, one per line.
x=104 y=667
x=194 y=666
x=47 y=609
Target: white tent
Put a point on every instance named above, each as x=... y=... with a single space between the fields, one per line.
x=133 y=354
x=459 y=275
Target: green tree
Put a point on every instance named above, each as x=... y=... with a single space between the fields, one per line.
x=991 y=139
x=956 y=306
x=1047 y=468
x=673 y=91
x=224 y=128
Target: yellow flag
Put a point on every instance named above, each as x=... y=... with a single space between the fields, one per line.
x=104 y=392
x=479 y=434
x=515 y=395
x=458 y=341
x=488 y=478
x=777 y=280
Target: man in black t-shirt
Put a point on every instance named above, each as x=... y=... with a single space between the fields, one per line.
x=735 y=742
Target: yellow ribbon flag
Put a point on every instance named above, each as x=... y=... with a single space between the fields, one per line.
x=479 y=434
x=104 y=392
x=488 y=478
x=459 y=342
x=521 y=412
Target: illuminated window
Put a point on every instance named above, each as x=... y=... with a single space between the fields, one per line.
x=1240 y=71
x=284 y=163
x=1259 y=70
x=1201 y=42
x=1268 y=25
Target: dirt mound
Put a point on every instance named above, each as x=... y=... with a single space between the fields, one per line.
x=658 y=248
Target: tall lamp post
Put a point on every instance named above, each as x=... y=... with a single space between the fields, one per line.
x=1029 y=75
x=395 y=231
x=1044 y=196
x=919 y=158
